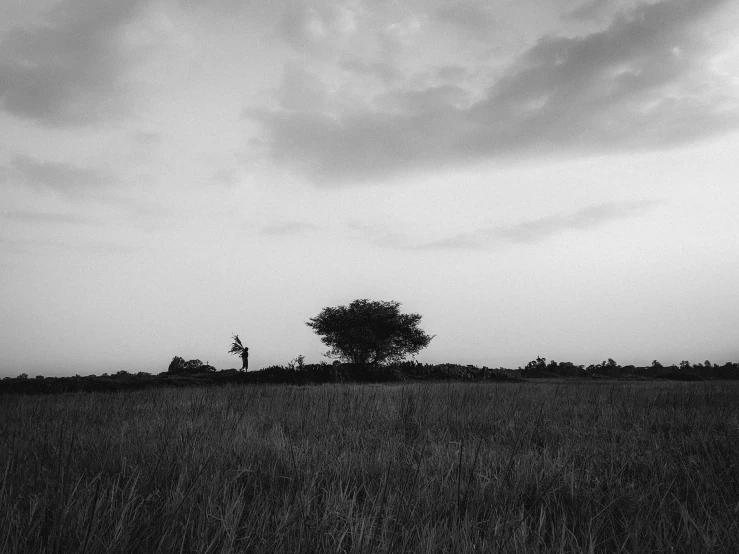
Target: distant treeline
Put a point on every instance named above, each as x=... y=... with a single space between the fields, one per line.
x=609 y=368
x=183 y=373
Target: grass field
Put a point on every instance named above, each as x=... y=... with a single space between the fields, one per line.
x=568 y=466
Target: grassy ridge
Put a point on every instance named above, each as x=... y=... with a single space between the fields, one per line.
x=287 y=375
x=446 y=467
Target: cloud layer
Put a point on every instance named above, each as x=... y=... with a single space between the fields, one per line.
x=646 y=80
x=62 y=178
x=67 y=70
x=541 y=229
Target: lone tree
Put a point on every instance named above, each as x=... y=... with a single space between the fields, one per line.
x=368 y=332
x=241 y=351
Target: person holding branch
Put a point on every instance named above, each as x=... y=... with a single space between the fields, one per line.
x=240 y=350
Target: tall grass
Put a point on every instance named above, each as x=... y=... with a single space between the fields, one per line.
x=545 y=467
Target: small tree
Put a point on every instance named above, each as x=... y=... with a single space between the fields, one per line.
x=180 y=366
x=193 y=366
x=535 y=367
x=177 y=365
x=368 y=332
x=298 y=364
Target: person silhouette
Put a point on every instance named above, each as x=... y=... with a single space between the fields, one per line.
x=245 y=359
x=237 y=348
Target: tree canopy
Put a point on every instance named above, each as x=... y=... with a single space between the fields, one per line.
x=369 y=332
x=179 y=365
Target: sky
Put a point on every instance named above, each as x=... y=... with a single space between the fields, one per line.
x=552 y=178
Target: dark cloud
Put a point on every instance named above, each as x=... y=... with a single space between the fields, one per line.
x=60 y=177
x=538 y=230
x=643 y=82
x=67 y=71
x=639 y=83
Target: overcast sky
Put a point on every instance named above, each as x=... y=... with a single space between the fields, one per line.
x=534 y=177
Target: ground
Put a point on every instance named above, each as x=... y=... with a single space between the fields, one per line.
x=568 y=466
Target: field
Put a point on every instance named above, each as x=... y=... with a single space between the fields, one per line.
x=567 y=466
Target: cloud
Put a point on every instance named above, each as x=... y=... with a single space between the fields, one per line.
x=301 y=90
x=352 y=43
x=63 y=178
x=641 y=82
x=46 y=217
x=379 y=235
x=358 y=146
x=312 y=28
x=147 y=138
x=67 y=70
x=383 y=70
x=433 y=99
x=453 y=73
x=33 y=246
x=593 y=10
x=469 y=17
x=288 y=229
x=538 y=230
x=302 y=27
x=644 y=82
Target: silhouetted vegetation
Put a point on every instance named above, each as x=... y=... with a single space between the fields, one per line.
x=368 y=332
x=179 y=366
x=181 y=373
x=195 y=373
x=610 y=369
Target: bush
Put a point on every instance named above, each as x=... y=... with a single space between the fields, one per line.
x=178 y=366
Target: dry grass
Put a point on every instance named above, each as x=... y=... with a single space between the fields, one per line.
x=528 y=467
